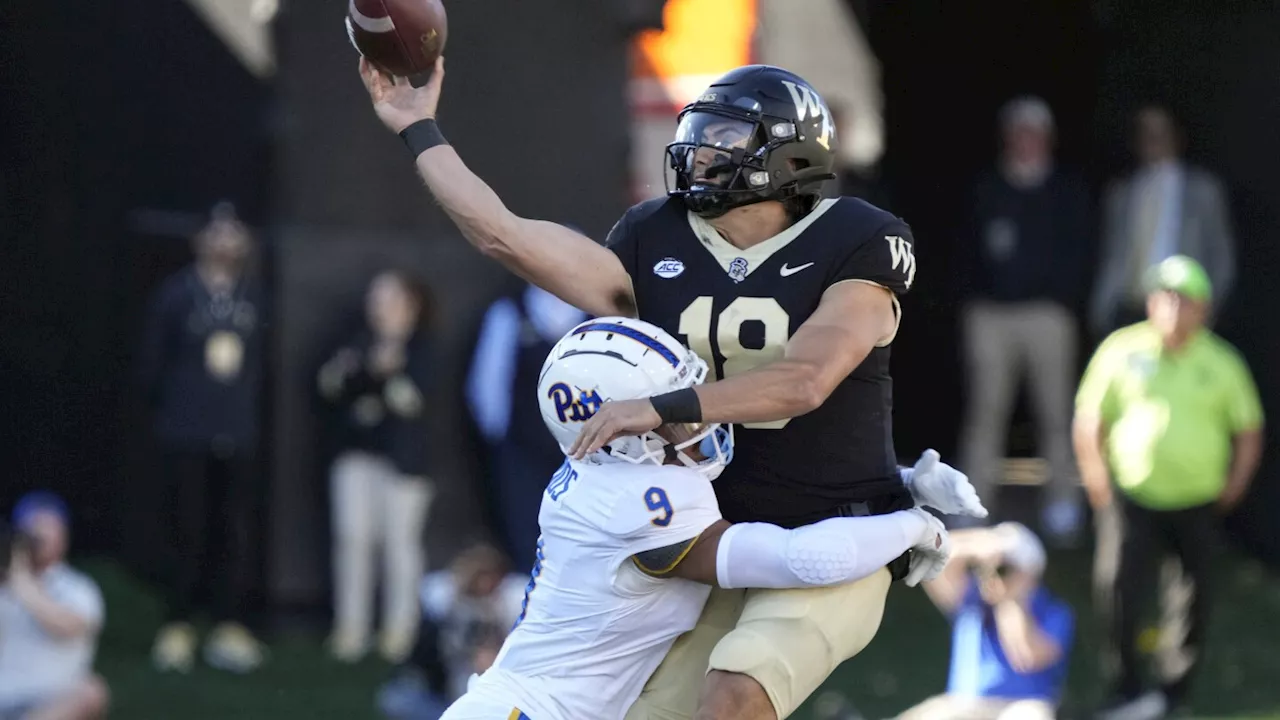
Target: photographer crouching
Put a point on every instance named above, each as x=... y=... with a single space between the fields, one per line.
x=1010 y=636
x=50 y=616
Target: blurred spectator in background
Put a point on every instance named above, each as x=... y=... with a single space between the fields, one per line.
x=50 y=617
x=860 y=181
x=1167 y=413
x=468 y=610
x=1011 y=637
x=518 y=331
x=380 y=381
x=201 y=366
x=1165 y=207
x=1024 y=265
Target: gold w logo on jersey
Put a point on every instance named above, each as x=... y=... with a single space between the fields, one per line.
x=903 y=257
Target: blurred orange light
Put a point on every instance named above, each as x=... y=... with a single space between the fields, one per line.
x=701 y=39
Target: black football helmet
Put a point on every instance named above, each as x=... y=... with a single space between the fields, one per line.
x=758 y=133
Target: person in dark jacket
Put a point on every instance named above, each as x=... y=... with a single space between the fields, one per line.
x=201 y=368
x=379 y=381
x=1023 y=277
x=518 y=331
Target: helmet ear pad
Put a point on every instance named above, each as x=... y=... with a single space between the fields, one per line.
x=791 y=170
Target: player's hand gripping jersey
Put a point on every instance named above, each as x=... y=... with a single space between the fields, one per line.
x=611 y=589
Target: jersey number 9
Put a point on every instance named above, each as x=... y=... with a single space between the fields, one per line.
x=718 y=339
x=656 y=499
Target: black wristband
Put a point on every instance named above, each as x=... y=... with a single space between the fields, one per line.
x=679 y=406
x=422 y=135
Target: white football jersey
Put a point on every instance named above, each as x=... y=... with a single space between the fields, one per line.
x=593 y=627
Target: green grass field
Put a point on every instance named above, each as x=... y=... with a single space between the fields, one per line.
x=906 y=662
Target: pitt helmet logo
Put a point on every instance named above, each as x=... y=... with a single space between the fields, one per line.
x=571 y=407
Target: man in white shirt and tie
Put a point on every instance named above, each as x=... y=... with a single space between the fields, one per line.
x=1165 y=207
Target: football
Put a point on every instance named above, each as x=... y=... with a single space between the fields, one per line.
x=402 y=38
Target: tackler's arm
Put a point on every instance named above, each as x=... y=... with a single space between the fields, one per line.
x=760 y=555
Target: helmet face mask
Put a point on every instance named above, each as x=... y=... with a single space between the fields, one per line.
x=715 y=157
x=759 y=133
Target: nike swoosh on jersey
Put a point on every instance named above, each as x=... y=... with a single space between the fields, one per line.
x=785 y=271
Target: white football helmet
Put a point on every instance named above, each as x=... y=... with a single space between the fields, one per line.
x=617 y=358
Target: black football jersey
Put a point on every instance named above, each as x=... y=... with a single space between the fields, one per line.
x=737 y=309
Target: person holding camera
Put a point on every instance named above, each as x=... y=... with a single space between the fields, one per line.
x=380 y=385
x=467 y=609
x=1010 y=636
x=50 y=616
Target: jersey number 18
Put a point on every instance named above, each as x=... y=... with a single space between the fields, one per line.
x=717 y=340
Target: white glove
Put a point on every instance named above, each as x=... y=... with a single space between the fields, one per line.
x=930 y=555
x=937 y=485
